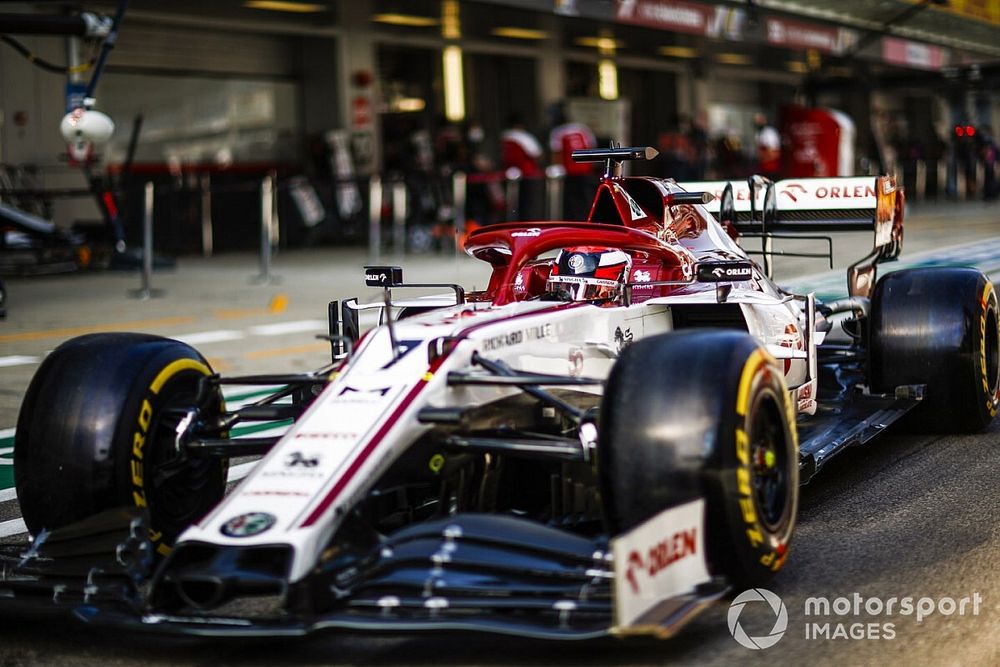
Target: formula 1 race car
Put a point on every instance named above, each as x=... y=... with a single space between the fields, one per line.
x=605 y=440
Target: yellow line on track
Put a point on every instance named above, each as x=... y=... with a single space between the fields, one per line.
x=276 y=306
x=66 y=332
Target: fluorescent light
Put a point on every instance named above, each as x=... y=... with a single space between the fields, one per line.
x=678 y=51
x=732 y=58
x=607 y=79
x=454 y=86
x=602 y=44
x=519 y=33
x=796 y=66
x=283 y=6
x=408 y=20
x=408 y=104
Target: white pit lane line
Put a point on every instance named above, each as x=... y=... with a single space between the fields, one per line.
x=276 y=329
x=18 y=360
x=207 y=337
x=218 y=336
x=14 y=527
x=282 y=328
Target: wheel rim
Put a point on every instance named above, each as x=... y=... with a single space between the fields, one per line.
x=177 y=484
x=769 y=462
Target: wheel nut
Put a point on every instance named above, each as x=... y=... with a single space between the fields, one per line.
x=769 y=458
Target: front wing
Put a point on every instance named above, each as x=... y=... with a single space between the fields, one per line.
x=470 y=572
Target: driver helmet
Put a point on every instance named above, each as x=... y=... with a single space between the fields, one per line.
x=590 y=273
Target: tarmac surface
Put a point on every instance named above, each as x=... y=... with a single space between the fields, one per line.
x=910 y=515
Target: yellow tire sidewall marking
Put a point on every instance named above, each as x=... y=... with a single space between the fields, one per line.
x=141 y=434
x=754 y=533
x=175 y=367
x=989 y=298
x=756 y=359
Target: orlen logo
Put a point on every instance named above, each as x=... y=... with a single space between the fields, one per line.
x=741 y=272
x=641 y=276
x=659 y=556
x=531 y=231
x=791 y=189
x=795 y=190
x=717 y=273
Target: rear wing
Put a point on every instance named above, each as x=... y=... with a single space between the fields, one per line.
x=797 y=207
x=851 y=204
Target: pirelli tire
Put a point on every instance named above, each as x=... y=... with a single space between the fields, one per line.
x=96 y=430
x=938 y=326
x=703 y=414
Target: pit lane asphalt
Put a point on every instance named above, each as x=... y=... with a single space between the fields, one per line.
x=907 y=515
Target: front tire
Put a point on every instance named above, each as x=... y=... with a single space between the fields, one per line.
x=97 y=430
x=704 y=414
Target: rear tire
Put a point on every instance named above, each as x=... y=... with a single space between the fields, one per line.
x=703 y=414
x=96 y=431
x=938 y=326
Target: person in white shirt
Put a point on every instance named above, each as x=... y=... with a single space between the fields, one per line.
x=768 y=148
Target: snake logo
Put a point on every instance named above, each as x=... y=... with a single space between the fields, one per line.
x=780 y=618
